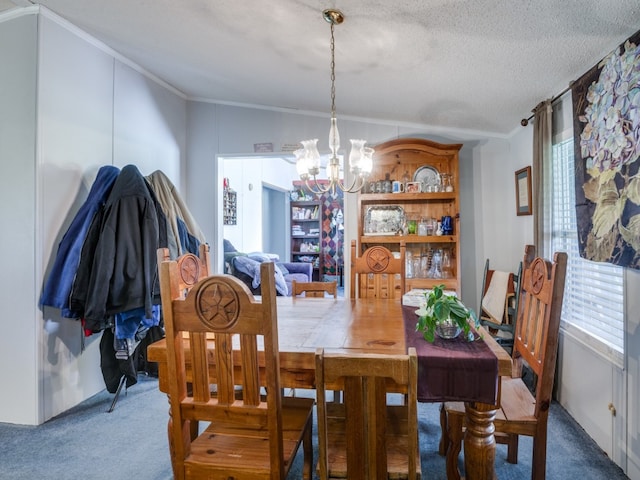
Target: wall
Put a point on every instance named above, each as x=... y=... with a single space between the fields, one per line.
x=632 y=378
x=93 y=108
x=75 y=105
x=246 y=176
x=18 y=52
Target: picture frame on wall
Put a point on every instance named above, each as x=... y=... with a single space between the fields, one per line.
x=523 y=192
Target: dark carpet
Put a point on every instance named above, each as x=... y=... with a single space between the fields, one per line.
x=86 y=442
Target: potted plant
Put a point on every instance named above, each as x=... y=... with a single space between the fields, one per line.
x=444 y=315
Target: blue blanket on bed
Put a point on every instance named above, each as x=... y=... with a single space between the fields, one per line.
x=250 y=265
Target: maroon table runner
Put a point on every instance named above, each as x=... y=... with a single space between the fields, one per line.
x=452 y=370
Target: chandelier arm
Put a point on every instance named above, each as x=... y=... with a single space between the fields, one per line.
x=357 y=180
x=318 y=190
x=360 y=185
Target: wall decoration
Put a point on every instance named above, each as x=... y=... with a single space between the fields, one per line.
x=229 y=204
x=606 y=123
x=523 y=191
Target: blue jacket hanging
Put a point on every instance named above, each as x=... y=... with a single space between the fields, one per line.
x=57 y=287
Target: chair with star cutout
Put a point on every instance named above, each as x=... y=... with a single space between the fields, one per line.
x=377 y=273
x=520 y=411
x=217 y=332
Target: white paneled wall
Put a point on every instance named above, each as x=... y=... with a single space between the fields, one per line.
x=77 y=106
x=18 y=349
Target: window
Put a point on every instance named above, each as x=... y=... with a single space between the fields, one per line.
x=593 y=307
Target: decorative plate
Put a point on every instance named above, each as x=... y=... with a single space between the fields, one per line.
x=383 y=220
x=427 y=175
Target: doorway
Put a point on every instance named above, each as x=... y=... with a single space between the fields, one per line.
x=262 y=185
x=275 y=221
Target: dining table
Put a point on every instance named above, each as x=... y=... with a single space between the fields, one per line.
x=383 y=326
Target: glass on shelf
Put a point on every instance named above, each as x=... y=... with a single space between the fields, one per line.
x=447 y=182
x=406 y=178
x=412 y=226
x=446 y=263
x=436 y=265
x=409 y=265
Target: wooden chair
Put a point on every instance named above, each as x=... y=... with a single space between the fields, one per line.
x=365 y=437
x=195 y=268
x=314 y=289
x=536 y=343
x=377 y=272
x=251 y=437
x=507 y=286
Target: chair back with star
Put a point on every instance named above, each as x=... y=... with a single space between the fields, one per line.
x=377 y=273
x=192 y=267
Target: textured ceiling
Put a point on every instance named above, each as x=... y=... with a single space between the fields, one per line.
x=479 y=65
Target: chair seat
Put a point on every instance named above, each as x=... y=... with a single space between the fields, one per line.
x=517 y=406
x=226 y=445
x=517 y=412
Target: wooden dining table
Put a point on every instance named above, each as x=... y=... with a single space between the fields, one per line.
x=365 y=326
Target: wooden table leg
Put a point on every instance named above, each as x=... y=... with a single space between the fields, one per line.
x=479 y=442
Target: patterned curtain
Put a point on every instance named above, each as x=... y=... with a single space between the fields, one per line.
x=606 y=124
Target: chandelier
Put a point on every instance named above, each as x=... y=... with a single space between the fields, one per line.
x=308 y=157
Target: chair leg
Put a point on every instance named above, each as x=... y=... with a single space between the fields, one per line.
x=443 y=446
x=307 y=449
x=539 y=460
x=512 y=448
x=455 y=432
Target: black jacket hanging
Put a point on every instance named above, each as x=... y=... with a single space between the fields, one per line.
x=118 y=270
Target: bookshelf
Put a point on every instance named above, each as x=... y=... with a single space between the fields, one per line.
x=306 y=235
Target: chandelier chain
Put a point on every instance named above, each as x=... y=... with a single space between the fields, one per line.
x=333 y=74
x=308 y=157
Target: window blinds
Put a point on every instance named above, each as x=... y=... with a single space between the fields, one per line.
x=593 y=305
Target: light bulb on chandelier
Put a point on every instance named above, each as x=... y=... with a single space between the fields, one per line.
x=308 y=157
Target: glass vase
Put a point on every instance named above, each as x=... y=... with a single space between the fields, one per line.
x=447 y=329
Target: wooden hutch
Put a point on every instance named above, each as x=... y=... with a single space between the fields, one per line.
x=415 y=160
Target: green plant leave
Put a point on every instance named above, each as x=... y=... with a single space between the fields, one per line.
x=441 y=307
